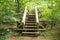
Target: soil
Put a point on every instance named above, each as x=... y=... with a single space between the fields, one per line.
x=27 y=38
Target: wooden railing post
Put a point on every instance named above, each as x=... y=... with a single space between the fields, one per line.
x=36 y=13
x=24 y=16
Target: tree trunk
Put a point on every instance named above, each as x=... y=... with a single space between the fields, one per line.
x=18 y=6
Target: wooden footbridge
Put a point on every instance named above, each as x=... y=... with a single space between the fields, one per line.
x=30 y=24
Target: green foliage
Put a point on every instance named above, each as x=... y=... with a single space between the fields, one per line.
x=48 y=9
x=7 y=11
x=5 y=33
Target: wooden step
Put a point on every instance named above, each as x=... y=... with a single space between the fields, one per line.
x=30 y=21
x=35 y=29
x=42 y=29
x=28 y=29
x=31 y=15
x=30 y=26
x=33 y=19
x=30 y=32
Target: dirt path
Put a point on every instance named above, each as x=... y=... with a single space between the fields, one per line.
x=27 y=38
x=33 y=38
x=13 y=38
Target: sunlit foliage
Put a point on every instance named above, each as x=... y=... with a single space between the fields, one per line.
x=47 y=9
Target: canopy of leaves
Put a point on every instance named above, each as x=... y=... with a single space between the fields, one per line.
x=47 y=9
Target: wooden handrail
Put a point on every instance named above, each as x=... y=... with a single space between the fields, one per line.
x=36 y=13
x=24 y=16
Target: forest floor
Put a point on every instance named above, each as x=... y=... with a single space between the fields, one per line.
x=47 y=35
x=15 y=37
x=28 y=38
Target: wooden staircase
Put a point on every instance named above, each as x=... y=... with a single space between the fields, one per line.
x=30 y=26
